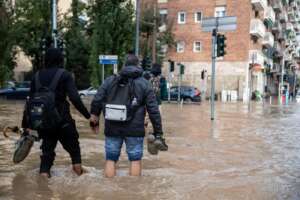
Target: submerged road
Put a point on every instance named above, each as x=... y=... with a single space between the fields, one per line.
x=242 y=155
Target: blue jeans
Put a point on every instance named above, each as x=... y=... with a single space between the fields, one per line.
x=134 y=147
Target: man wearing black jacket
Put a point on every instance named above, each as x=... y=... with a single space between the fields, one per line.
x=131 y=132
x=66 y=133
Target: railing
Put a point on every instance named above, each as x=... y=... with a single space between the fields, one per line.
x=257 y=28
x=260 y=4
x=268 y=39
x=270 y=14
x=256 y=57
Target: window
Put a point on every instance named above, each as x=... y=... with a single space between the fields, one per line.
x=220 y=11
x=181 y=17
x=197 y=46
x=180 y=47
x=163 y=13
x=198 y=17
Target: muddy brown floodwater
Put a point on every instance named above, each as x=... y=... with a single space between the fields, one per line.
x=242 y=155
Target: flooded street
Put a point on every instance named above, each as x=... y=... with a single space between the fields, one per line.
x=242 y=155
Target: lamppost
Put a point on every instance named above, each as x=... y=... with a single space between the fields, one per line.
x=54 y=23
x=137 y=27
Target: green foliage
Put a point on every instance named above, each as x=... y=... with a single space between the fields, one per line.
x=32 y=23
x=77 y=48
x=6 y=42
x=112 y=32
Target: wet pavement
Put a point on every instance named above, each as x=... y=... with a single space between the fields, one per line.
x=242 y=155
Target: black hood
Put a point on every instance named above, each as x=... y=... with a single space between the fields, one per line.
x=131 y=72
x=54 y=58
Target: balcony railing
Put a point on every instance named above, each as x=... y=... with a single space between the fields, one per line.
x=268 y=39
x=277 y=27
x=256 y=57
x=259 y=4
x=257 y=28
x=283 y=16
x=277 y=5
x=270 y=15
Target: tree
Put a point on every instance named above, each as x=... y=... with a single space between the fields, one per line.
x=76 y=39
x=6 y=43
x=32 y=23
x=112 y=32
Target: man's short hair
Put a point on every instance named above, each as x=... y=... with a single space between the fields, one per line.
x=132 y=60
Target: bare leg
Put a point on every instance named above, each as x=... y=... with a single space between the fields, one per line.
x=110 y=169
x=45 y=175
x=135 y=168
x=77 y=168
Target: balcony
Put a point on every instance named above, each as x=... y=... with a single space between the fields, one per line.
x=277 y=5
x=275 y=67
x=256 y=57
x=269 y=15
x=285 y=2
x=277 y=27
x=278 y=49
x=268 y=40
x=257 y=28
x=283 y=17
x=281 y=36
x=289 y=27
x=259 y=4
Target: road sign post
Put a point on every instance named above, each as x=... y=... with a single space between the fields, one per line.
x=108 y=60
x=214 y=25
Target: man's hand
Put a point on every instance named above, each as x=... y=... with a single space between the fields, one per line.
x=94 y=124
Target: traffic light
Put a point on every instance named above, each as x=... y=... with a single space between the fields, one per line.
x=172 y=65
x=181 y=69
x=221 y=45
x=146 y=63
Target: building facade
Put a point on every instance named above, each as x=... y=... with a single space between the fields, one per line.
x=263 y=43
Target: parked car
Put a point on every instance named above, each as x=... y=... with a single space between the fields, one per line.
x=187 y=93
x=88 y=92
x=19 y=90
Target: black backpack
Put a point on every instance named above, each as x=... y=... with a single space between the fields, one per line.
x=121 y=92
x=42 y=113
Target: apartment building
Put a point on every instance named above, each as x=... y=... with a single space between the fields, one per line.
x=263 y=43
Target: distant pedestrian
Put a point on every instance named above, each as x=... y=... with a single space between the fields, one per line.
x=123 y=99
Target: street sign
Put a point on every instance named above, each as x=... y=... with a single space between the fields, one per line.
x=108 y=59
x=223 y=23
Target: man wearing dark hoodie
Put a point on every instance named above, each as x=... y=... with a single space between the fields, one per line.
x=66 y=132
x=131 y=132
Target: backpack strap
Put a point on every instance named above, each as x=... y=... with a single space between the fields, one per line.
x=56 y=79
x=37 y=81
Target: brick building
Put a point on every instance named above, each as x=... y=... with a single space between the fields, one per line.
x=265 y=39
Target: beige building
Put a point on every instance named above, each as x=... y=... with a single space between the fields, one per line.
x=264 y=39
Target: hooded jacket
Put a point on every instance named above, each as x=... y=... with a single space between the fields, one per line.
x=143 y=92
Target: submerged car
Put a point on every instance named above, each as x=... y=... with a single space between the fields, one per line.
x=88 y=92
x=18 y=91
x=187 y=93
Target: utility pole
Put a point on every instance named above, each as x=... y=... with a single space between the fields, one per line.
x=281 y=81
x=137 y=28
x=54 y=22
x=213 y=73
x=154 y=34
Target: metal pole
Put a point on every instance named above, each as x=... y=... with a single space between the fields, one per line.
x=54 y=23
x=294 y=86
x=179 y=87
x=137 y=30
x=213 y=73
x=154 y=34
x=102 y=73
x=281 y=81
x=169 y=86
x=250 y=82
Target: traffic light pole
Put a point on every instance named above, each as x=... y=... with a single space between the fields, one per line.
x=213 y=73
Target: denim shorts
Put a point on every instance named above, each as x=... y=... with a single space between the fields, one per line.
x=134 y=147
